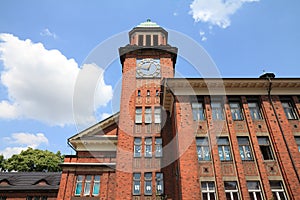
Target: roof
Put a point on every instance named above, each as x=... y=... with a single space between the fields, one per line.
x=37 y=181
x=148 y=23
x=99 y=137
x=227 y=86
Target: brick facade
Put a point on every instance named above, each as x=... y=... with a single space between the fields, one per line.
x=108 y=148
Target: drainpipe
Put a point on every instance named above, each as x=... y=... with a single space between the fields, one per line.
x=269 y=77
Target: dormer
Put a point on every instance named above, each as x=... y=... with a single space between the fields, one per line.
x=148 y=34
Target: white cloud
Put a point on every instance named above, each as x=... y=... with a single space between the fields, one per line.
x=23 y=141
x=48 y=33
x=40 y=83
x=216 y=12
x=105 y=115
x=9 y=151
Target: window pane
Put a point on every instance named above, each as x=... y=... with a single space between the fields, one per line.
x=198 y=111
x=265 y=148
x=148 y=115
x=159 y=183
x=148 y=40
x=155 y=40
x=96 y=186
x=137 y=147
x=289 y=110
x=148 y=183
x=136 y=183
x=203 y=149
x=254 y=111
x=236 y=111
x=158 y=147
x=78 y=186
x=141 y=41
x=230 y=185
x=87 y=186
x=138 y=115
x=148 y=147
x=217 y=111
x=157 y=112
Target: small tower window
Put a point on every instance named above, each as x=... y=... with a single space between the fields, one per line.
x=155 y=40
x=148 y=40
x=141 y=40
x=148 y=93
x=139 y=93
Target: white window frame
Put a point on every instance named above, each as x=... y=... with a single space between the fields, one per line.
x=148 y=115
x=137 y=147
x=138 y=115
x=289 y=110
x=136 y=183
x=277 y=191
x=203 y=149
x=224 y=149
x=231 y=191
x=148 y=147
x=255 y=191
x=236 y=111
x=157 y=115
x=158 y=147
x=246 y=149
x=148 y=183
x=207 y=190
x=198 y=111
x=217 y=111
x=254 y=111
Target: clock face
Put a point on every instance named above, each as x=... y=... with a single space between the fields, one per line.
x=148 y=67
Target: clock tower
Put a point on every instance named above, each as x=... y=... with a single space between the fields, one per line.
x=146 y=61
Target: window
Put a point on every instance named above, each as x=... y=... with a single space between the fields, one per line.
x=265 y=148
x=231 y=190
x=157 y=118
x=297 y=138
x=278 y=190
x=208 y=190
x=139 y=93
x=78 y=186
x=136 y=183
x=148 y=183
x=87 y=185
x=148 y=93
x=137 y=147
x=158 y=147
x=148 y=147
x=217 y=111
x=155 y=40
x=96 y=186
x=91 y=185
x=203 y=149
x=141 y=40
x=148 y=40
x=236 y=111
x=289 y=110
x=224 y=149
x=157 y=93
x=245 y=149
x=254 y=111
x=159 y=183
x=138 y=115
x=254 y=190
x=148 y=115
x=30 y=198
x=198 y=111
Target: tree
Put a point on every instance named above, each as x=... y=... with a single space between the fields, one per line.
x=2 y=163
x=34 y=160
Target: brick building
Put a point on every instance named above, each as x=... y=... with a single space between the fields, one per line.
x=195 y=138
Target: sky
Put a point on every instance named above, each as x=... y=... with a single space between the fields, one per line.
x=45 y=47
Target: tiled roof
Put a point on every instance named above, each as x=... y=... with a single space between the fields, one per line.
x=13 y=181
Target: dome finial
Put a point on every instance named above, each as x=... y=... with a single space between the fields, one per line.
x=148 y=20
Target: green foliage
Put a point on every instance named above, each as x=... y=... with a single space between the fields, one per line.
x=1 y=163
x=34 y=160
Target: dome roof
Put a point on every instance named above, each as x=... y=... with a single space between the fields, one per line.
x=148 y=23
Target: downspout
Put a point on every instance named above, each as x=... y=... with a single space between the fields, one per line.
x=269 y=77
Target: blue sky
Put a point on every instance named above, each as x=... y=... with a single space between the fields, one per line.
x=44 y=44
